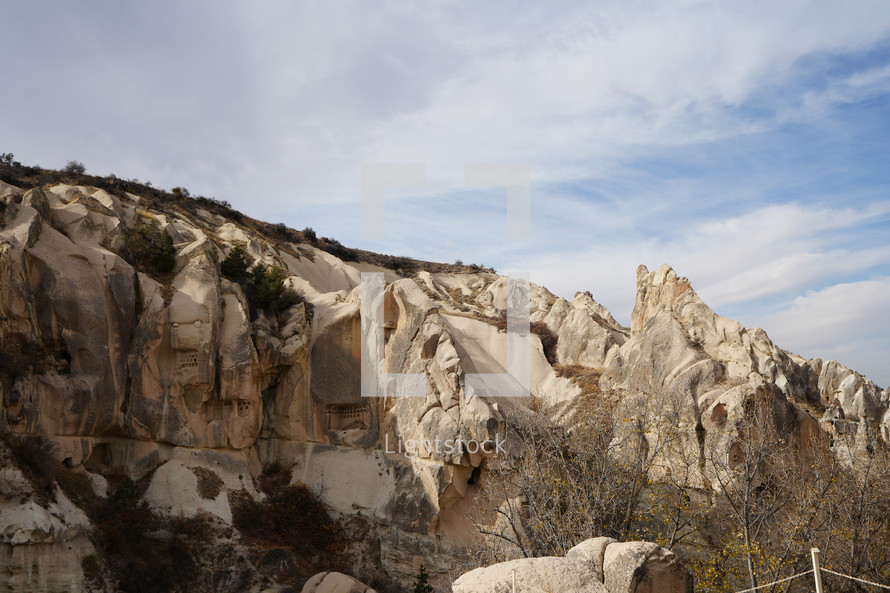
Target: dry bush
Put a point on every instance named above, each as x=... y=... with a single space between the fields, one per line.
x=139 y=559
x=32 y=454
x=209 y=484
x=556 y=487
x=549 y=340
x=586 y=378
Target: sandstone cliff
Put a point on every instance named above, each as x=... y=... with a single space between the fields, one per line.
x=164 y=376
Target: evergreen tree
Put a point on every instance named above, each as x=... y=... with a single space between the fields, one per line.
x=234 y=266
x=421 y=583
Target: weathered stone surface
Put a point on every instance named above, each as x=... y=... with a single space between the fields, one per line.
x=556 y=575
x=335 y=582
x=644 y=567
x=182 y=491
x=42 y=540
x=597 y=565
x=178 y=374
x=592 y=553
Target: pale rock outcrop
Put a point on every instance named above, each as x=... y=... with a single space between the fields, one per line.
x=588 y=334
x=856 y=395
x=597 y=565
x=7 y=189
x=551 y=574
x=644 y=567
x=690 y=371
x=42 y=541
x=183 y=491
x=177 y=374
x=335 y=582
x=592 y=553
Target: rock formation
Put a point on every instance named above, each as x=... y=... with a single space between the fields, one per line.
x=335 y=582
x=598 y=565
x=177 y=378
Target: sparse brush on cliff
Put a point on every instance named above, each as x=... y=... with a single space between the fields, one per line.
x=33 y=455
x=549 y=340
x=293 y=517
x=150 y=249
x=141 y=561
x=263 y=284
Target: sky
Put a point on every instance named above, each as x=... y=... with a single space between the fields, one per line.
x=745 y=143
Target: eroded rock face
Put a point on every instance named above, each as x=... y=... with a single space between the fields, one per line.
x=176 y=378
x=587 y=332
x=644 y=567
x=43 y=539
x=691 y=371
x=597 y=565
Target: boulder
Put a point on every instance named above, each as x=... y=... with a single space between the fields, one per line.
x=592 y=552
x=644 y=567
x=597 y=565
x=550 y=574
x=335 y=582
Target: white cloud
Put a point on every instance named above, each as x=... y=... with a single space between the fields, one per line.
x=241 y=99
x=275 y=105
x=848 y=322
x=776 y=250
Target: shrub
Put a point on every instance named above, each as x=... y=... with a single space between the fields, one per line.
x=126 y=490
x=75 y=167
x=33 y=455
x=139 y=560
x=263 y=284
x=421 y=583
x=293 y=517
x=235 y=265
x=269 y=292
x=548 y=339
x=335 y=248
x=309 y=235
x=149 y=248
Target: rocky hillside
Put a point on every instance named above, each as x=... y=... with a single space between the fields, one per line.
x=168 y=390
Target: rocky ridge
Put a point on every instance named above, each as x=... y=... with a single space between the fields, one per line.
x=163 y=377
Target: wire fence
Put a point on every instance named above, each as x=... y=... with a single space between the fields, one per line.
x=786 y=579
x=857 y=579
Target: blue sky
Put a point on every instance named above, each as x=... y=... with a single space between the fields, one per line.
x=744 y=143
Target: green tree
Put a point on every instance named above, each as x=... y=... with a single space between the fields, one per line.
x=269 y=290
x=235 y=265
x=149 y=248
x=421 y=583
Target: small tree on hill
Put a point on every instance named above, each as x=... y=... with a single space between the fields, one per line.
x=269 y=290
x=75 y=167
x=235 y=265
